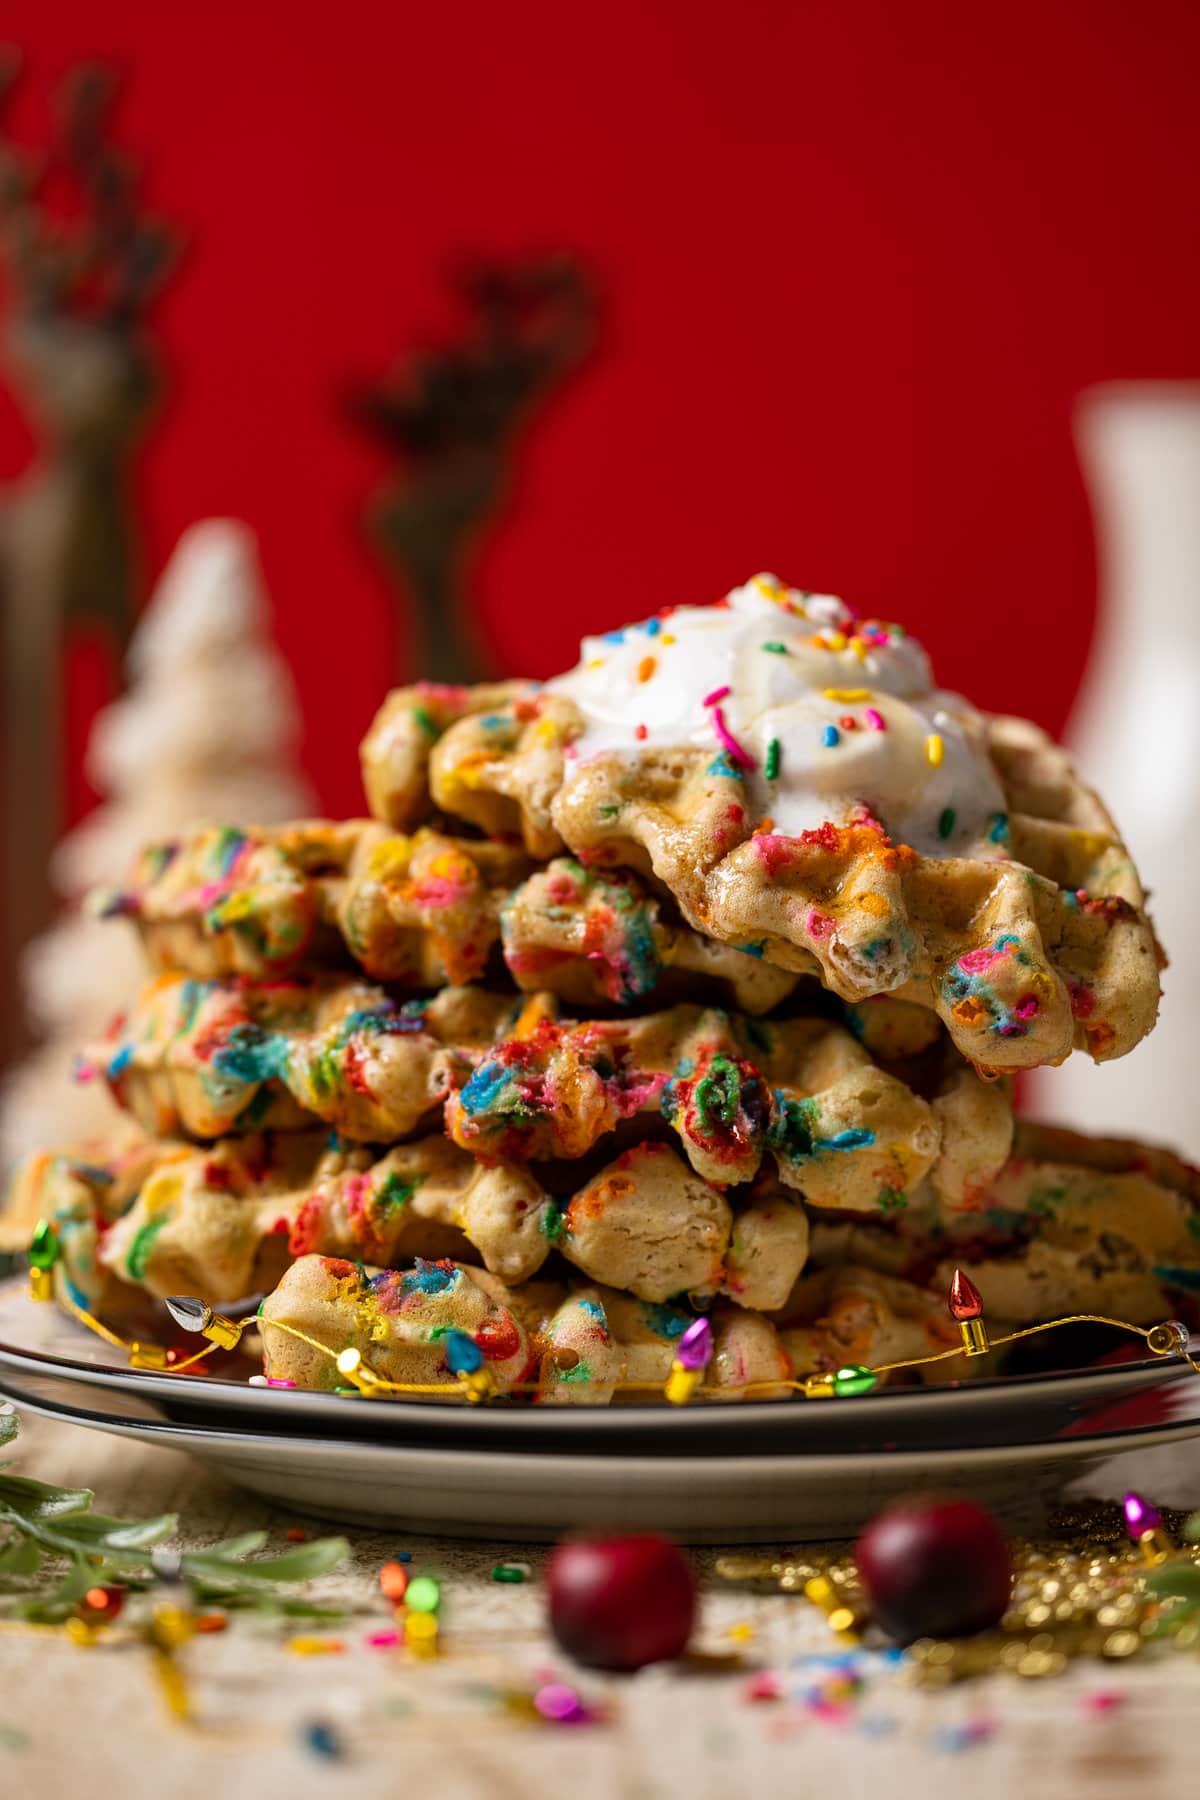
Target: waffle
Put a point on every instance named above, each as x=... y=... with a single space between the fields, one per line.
x=568 y=1345
x=207 y=1058
x=568 y=1151
x=1023 y=926
x=396 y=1319
x=867 y=1318
x=421 y=911
x=395 y=753
x=224 y=1221
x=212 y=1058
x=82 y=1194
x=840 y=1129
x=1069 y=1224
x=592 y=935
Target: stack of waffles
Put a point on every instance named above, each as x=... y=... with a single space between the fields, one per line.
x=694 y=981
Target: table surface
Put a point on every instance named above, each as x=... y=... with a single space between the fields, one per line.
x=93 y=1722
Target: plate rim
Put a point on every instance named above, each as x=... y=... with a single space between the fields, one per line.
x=174 y=1435
x=722 y=1425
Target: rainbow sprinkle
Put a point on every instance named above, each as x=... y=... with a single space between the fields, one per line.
x=875 y=719
x=738 y=754
x=772 y=762
x=946 y=822
x=935 y=749
x=717 y=695
x=831 y=737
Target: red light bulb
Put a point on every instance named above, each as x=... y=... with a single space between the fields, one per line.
x=966 y=1302
x=966 y=1308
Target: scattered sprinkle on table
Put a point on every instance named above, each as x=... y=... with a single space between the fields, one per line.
x=321 y=1740
x=508 y=1572
x=560 y=1704
x=424 y=1595
x=954 y=1738
x=420 y=1632
x=393 y=1580
x=764 y=1686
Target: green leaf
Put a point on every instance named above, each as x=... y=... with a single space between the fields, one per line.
x=1177 y=1579
x=120 y=1535
x=302 y=1563
x=1191 y=1529
x=8 y=1427
x=20 y=1557
x=103 y=1551
x=73 y=1536
x=1180 y=1617
x=39 y=1500
x=245 y=1545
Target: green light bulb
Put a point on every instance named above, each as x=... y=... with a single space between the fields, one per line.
x=853 y=1379
x=44 y=1248
x=423 y=1595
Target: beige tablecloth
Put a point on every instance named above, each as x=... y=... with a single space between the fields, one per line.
x=92 y=1722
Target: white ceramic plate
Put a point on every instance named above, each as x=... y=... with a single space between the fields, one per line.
x=757 y=1471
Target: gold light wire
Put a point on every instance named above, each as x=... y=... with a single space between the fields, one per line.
x=364 y=1380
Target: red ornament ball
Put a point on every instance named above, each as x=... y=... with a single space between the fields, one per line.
x=935 y=1568
x=621 y=1602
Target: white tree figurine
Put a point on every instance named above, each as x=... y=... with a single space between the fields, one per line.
x=205 y=735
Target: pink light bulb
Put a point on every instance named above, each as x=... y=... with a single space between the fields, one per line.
x=1140 y=1517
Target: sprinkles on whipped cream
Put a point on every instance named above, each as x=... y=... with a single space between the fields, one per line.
x=816 y=714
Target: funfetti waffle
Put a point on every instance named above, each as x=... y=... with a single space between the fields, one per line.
x=794 y=780
x=418 y=910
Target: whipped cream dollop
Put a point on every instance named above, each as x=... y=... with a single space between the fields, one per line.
x=820 y=714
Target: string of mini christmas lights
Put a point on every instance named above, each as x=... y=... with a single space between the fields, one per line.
x=465 y=1359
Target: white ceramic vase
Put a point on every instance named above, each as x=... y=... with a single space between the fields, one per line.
x=1136 y=734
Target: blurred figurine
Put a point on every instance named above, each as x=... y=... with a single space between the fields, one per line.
x=81 y=266
x=206 y=734
x=452 y=416
x=1135 y=729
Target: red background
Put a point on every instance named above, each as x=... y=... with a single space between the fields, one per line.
x=860 y=258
